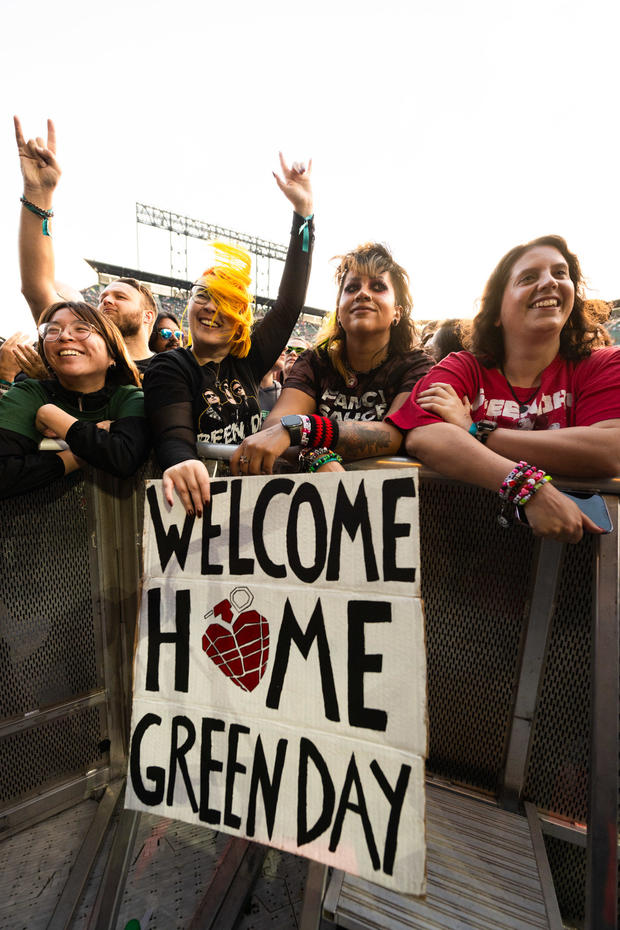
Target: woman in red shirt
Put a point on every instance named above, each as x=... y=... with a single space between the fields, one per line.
x=539 y=383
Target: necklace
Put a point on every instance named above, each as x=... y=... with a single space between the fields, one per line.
x=353 y=376
x=523 y=404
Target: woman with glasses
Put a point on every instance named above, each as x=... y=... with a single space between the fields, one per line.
x=167 y=333
x=364 y=364
x=91 y=402
x=209 y=391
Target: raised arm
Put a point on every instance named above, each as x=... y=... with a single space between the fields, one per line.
x=270 y=334
x=296 y=185
x=40 y=173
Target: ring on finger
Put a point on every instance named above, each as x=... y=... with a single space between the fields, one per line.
x=243 y=460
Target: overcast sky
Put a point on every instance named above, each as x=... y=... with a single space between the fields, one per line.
x=449 y=130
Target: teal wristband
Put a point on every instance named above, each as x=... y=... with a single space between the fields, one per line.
x=473 y=430
x=45 y=215
x=305 y=231
x=8 y=383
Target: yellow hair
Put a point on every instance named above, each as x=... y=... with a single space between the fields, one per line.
x=227 y=281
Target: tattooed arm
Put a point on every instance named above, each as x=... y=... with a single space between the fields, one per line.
x=358 y=439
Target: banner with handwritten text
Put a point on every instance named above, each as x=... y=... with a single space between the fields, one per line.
x=280 y=675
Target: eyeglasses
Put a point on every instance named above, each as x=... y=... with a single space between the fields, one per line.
x=200 y=295
x=295 y=350
x=168 y=333
x=79 y=330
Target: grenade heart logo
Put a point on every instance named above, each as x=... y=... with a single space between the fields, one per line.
x=239 y=646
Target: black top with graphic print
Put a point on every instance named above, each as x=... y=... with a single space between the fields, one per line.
x=370 y=398
x=218 y=402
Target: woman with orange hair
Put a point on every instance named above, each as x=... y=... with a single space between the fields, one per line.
x=209 y=391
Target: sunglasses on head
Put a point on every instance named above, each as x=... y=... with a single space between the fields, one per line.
x=295 y=350
x=168 y=333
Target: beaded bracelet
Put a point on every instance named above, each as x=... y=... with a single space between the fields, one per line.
x=527 y=494
x=323 y=460
x=308 y=456
x=518 y=488
x=511 y=482
x=45 y=215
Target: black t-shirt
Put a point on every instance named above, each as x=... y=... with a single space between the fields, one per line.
x=370 y=398
x=142 y=364
x=218 y=402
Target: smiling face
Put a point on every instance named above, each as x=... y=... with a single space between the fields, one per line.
x=367 y=304
x=211 y=329
x=539 y=295
x=79 y=364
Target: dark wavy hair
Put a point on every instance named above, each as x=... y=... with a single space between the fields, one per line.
x=371 y=258
x=582 y=332
x=123 y=371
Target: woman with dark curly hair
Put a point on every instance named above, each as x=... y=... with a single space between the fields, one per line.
x=364 y=364
x=91 y=402
x=540 y=382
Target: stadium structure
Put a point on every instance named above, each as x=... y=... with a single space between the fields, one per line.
x=171 y=291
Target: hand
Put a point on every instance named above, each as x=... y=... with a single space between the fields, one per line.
x=9 y=365
x=30 y=361
x=105 y=424
x=256 y=454
x=554 y=515
x=40 y=169
x=296 y=186
x=442 y=400
x=191 y=480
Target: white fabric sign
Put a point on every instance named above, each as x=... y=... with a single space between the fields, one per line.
x=280 y=676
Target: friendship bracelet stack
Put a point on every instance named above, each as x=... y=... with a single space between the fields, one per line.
x=319 y=432
x=45 y=215
x=518 y=488
x=312 y=459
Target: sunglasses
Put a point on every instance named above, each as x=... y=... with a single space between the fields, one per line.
x=295 y=350
x=168 y=333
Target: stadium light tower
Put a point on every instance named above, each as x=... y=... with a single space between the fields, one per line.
x=181 y=228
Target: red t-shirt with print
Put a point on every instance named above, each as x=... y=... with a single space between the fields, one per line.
x=571 y=393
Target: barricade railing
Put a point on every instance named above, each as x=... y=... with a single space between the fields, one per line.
x=522 y=640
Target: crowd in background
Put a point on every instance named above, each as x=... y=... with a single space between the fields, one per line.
x=118 y=372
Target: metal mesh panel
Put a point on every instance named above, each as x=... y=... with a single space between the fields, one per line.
x=558 y=766
x=39 y=755
x=475 y=598
x=568 y=869
x=47 y=646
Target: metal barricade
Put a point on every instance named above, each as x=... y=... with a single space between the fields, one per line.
x=522 y=640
